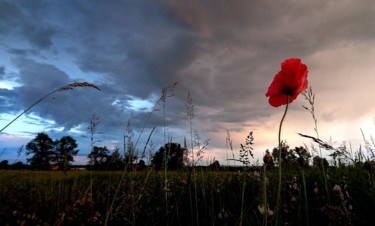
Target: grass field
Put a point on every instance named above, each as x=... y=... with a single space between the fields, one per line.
x=223 y=198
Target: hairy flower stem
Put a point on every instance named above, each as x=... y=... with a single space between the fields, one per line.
x=279 y=162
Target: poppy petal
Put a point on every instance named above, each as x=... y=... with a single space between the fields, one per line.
x=290 y=81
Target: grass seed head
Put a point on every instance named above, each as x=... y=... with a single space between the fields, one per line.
x=78 y=84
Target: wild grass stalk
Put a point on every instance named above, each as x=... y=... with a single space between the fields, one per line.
x=242 y=201
x=189 y=116
x=67 y=87
x=264 y=201
x=229 y=143
x=310 y=97
x=306 y=205
x=203 y=191
x=165 y=94
x=94 y=122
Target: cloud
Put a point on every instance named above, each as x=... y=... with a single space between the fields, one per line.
x=64 y=106
x=224 y=54
x=27 y=24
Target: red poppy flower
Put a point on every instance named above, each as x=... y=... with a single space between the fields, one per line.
x=290 y=81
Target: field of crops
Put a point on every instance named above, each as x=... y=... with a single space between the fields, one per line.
x=190 y=197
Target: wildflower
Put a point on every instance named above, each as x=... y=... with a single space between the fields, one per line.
x=295 y=187
x=337 y=188
x=223 y=214
x=288 y=83
x=316 y=189
x=338 y=191
x=284 y=89
x=262 y=210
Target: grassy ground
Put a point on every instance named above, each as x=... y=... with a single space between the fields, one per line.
x=223 y=198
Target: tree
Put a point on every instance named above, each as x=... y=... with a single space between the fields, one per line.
x=215 y=166
x=285 y=154
x=304 y=156
x=4 y=164
x=18 y=166
x=115 y=161
x=42 y=148
x=65 y=149
x=320 y=162
x=174 y=155
x=99 y=156
x=292 y=158
x=141 y=165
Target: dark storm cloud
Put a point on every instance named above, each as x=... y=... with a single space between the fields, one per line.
x=8 y=101
x=27 y=24
x=68 y=108
x=224 y=53
x=142 y=54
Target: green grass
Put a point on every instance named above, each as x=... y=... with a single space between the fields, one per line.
x=53 y=198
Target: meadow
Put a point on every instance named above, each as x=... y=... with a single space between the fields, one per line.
x=221 y=197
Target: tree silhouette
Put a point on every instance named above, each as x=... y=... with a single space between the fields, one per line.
x=215 y=166
x=4 y=164
x=115 y=161
x=318 y=162
x=99 y=156
x=174 y=157
x=292 y=158
x=42 y=148
x=65 y=149
x=46 y=151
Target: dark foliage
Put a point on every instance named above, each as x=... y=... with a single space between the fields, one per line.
x=42 y=149
x=298 y=157
x=45 y=152
x=171 y=155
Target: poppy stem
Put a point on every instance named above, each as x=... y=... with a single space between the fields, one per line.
x=279 y=163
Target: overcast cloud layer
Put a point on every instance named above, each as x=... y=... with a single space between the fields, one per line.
x=224 y=53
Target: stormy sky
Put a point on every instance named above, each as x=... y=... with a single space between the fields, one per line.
x=223 y=53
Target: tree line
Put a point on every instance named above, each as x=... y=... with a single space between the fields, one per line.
x=48 y=154
x=44 y=153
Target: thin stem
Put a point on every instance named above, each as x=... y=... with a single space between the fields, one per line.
x=40 y=100
x=67 y=87
x=242 y=201
x=305 y=196
x=264 y=194
x=279 y=162
x=310 y=97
